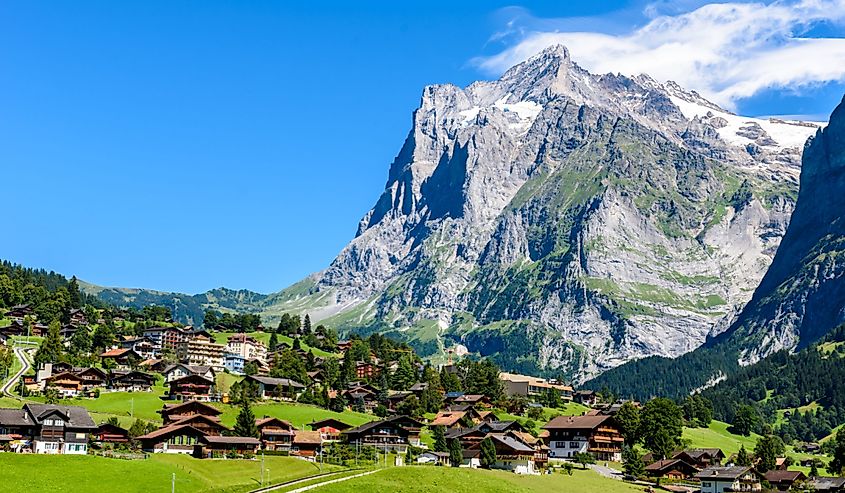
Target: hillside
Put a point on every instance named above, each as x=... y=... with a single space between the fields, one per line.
x=558 y=221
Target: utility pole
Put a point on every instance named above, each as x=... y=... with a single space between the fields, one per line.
x=173 y=483
x=262 y=468
x=132 y=408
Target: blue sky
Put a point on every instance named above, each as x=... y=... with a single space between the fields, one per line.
x=189 y=145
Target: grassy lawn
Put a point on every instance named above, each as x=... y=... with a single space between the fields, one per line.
x=297 y=414
x=127 y=405
x=431 y=479
x=81 y=474
x=717 y=435
x=225 y=381
x=813 y=406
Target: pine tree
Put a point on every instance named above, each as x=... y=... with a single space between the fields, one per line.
x=274 y=341
x=814 y=469
x=632 y=462
x=438 y=434
x=488 y=453
x=742 y=458
x=306 y=325
x=137 y=429
x=456 y=454
x=51 y=349
x=245 y=423
x=74 y=296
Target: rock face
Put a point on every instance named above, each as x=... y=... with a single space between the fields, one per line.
x=564 y=222
x=802 y=296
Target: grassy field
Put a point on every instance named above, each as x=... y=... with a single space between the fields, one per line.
x=430 y=479
x=297 y=414
x=717 y=435
x=82 y=474
x=128 y=405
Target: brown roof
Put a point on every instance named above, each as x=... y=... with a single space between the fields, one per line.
x=114 y=353
x=312 y=437
x=230 y=440
x=447 y=418
x=167 y=430
x=778 y=476
x=263 y=421
x=211 y=410
x=575 y=422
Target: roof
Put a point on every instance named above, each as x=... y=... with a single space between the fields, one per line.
x=669 y=464
x=511 y=442
x=329 y=422
x=271 y=419
x=168 y=430
x=372 y=424
x=276 y=382
x=575 y=422
x=115 y=353
x=312 y=437
x=418 y=387
x=778 y=476
x=728 y=473
x=822 y=483
x=195 y=369
x=533 y=381
x=696 y=453
x=447 y=418
x=169 y=408
x=14 y=417
x=77 y=417
x=224 y=440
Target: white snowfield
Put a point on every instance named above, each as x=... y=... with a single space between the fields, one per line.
x=524 y=111
x=784 y=133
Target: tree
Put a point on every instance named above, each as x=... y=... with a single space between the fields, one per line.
x=137 y=429
x=742 y=458
x=81 y=342
x=661 y=425
x=837 y=464
x=306 y=325
x=6 y=359
x=51 y=349
x=632 y=461
x=51 y=395
x=584 y=458
x=628 y=418
x=103 y=337
x=245 y=423
x=74 y=296
x=567 y=468
x=404 y=376
x=767 y=450
x=288 y=364
x=274 y=341
x=488 y=453
x=113 y=421
x=814 y=468
x=745 y=420
x=251 y=368
x=456 y=454
x=438 y=434
x=331 y=372
x=450 y=381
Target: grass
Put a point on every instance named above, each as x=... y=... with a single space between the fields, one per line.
x=128 y=405
x=717 y=435
x=431 y=479
x=82 y=474
x=813 y=406
x=297 y=414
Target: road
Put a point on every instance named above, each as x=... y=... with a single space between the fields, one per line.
x=25 y=366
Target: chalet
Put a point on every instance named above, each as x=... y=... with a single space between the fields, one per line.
x=826 y=484
x=191 y=387
x=393 y=434
x=234 y=363
x=269 y=387
x=342 y=346
x=362 y=394
x=781 y=463
x=109 y=433
x=470 y=436
x=49 y=428
x=329 y=428
x=587 y=398
x=275 y=433
x=396 y=398
x=597 y=435
x=211 y=446
x=66 y=383
x=784 y=480
x=246 y=346
x=18 y=311
x=365 y=369
x=532 y=387
x=154 y=365
x=671 y=469
x=512 y=454
x=67 y=331
x=174 y=413
x=306 y=443
x=16 y=328
x=418 y=388
x=174 y=439
x=124 y=359
x=91 y=377
x=729 y=479
x=316 y=376
x=38 y=330
x=449 y=419
x=180 y=370
x=131 y=381
x=430 y=457
x=473 y=399
x=701 y=458
x=141 y=345
x=77 y=317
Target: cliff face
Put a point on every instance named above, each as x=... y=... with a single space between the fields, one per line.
x=802 y=296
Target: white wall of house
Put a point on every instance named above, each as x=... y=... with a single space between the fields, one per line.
x=565 y=449
x=525 y=466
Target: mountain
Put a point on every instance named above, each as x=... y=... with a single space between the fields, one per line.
x=799 y=300
x=561 y=222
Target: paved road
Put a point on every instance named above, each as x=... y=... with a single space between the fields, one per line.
x=10 y=384
x=331 y=481
x=606 y=471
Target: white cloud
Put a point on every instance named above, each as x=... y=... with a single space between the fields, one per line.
x=726 y=51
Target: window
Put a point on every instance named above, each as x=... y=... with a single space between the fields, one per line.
x=573 y=444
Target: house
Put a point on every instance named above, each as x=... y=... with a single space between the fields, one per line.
x=109 y=433
x=474 y=400
x=701 y=458
x=174 y=413
x=201 y=350
x=306 y=443
x=180 y=370
x=67 y=331
x=18 y=312
x=91 y=377
x=392 y=434
x=431 y=457
x=418 y=388
x=124 y=359
x=155 y=365
x=141 y=345
x=192 y=387
x=38 y=330
x=174 y=439
x=66 y=383
x=131 y=381
x=729 y=479
x=77 y=317
x=450 y=419
x=329 y=428
x=671 y=469
x=512 y=454
x=275 y=433
x=784 y=480
x=211 y=446
x=532 y=387
x=365 y=369
x=282 y=388
x=826 y=484
x=49 y=428
x=470 y=436
x=587 y=398
x=166 y=338
x=363 y=394
x=597 y=435
x=246 y=347
x=234 y=363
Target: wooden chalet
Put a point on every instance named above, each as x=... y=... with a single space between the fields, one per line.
x=306 y=443
x=18 y=311
x=701 y=458
x=211 y=446
x=92 y=377
x=474 y=434
x=329 y=428
x=394 y=434
x=785 y=480
x=282 y=388
x=512 y=454
x=180 y=370
x=123 y=359
x=275 y=433
x=109 y=433
x=675 y=469
x=452 y=419
x=174 y=439
x=66 y=383
x=191 y=387
x=131 y=381
x=174 y=413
